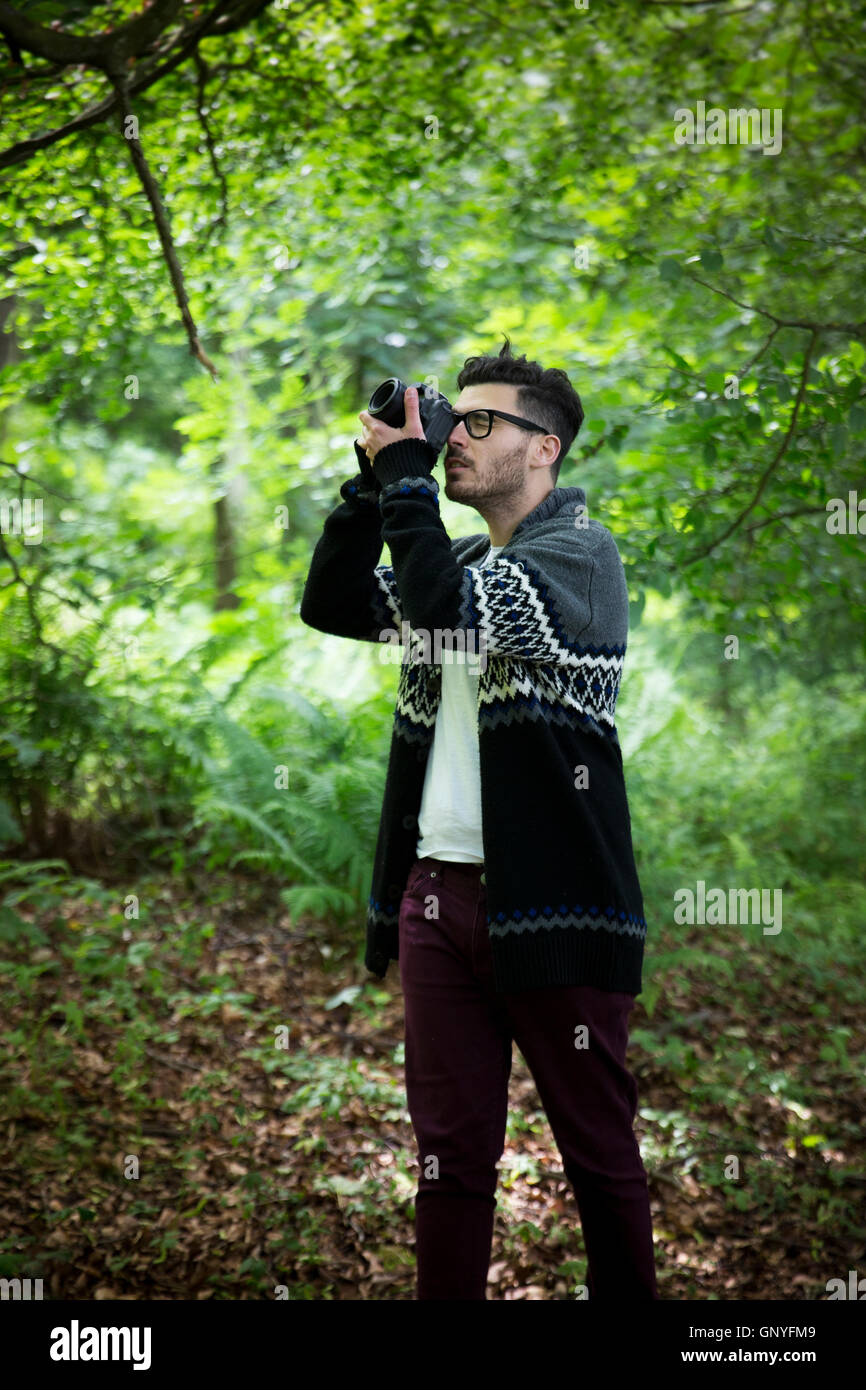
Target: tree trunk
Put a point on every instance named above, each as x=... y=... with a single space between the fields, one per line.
x=226 y=564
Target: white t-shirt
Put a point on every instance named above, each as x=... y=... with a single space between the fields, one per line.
x=449 y=822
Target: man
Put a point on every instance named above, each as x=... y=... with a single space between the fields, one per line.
x=504 y=881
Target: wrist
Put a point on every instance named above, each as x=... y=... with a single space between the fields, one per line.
x=404 y=458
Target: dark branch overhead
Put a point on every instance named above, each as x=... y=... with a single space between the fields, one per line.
x=95 y=50
x=132 y=59
x=108 y=53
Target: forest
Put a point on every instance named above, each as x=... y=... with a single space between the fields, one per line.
x=225 y=222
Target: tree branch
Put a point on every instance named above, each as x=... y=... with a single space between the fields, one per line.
x=28 y=477
x=94 y=50
x=128 y=124
x=771 y=466
x=56 y=45
x=203 y=73
x=761 y=350
x=183 y=45
x=856 y=330
x=782 y=516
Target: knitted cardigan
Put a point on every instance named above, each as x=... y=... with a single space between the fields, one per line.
x=550 y=614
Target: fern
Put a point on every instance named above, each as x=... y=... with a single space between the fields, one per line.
x=319 y=900
x=319 y=831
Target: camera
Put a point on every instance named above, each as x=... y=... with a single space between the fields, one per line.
x=437 y=417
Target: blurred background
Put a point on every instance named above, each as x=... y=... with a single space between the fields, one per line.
x=224 y=225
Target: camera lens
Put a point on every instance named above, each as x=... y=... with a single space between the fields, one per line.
x=384 y=396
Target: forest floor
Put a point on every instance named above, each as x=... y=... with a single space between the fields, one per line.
x=208 y=1102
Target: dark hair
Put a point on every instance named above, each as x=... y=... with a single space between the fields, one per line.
x=543 y=395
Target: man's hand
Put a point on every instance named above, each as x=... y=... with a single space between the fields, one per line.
x=377 y=435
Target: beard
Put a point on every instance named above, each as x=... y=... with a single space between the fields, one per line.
x=502 y=479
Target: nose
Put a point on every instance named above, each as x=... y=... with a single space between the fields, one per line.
x=459 y=435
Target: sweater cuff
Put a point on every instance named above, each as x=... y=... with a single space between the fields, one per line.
x=371 y=482
x=405 y=458
x=356 y=490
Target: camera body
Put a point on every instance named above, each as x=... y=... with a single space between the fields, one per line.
x=437 y=418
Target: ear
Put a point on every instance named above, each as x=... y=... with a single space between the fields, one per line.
x=550 y=449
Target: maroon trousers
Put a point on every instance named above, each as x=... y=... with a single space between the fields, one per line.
x=459 y=1034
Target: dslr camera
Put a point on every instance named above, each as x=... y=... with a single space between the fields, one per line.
x=437 y=417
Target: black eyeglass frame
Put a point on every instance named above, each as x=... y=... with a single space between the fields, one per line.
x=460 y=415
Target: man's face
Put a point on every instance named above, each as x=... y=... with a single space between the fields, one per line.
x=497 y=466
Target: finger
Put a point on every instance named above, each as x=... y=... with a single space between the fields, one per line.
x=413 y=413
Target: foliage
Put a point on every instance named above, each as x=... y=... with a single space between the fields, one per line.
x=319 y=195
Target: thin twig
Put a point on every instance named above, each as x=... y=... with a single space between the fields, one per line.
x=771 y=466
x=202 y=73
x=855 y=329
x=761 y=350
x=781 y=516
x=29 y=478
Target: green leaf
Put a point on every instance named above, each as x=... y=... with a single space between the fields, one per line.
x=680 y=361
x=74 y=1016
x=669 y=269
x=839 y=438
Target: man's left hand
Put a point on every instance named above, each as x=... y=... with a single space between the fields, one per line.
x=377 y=434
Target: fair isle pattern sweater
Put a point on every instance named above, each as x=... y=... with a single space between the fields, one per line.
x=564 y=903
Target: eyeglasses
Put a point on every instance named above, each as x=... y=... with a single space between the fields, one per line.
x=479 y=423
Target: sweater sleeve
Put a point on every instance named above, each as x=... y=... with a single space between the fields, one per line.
x=344 y=593
x=535 y=607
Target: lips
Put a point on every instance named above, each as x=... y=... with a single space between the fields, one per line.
x=452 y=464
